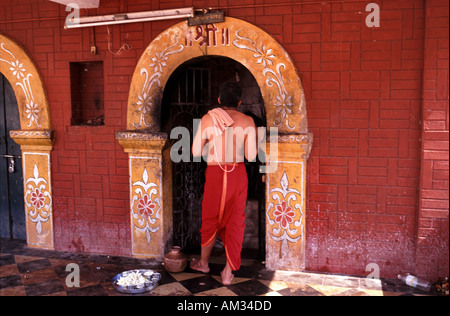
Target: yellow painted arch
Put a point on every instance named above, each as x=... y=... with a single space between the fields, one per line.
x=23 y=75
x=247 y=44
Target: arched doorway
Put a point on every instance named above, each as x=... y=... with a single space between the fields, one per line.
x=190 y=93
x=35 y=138
x=284 y=102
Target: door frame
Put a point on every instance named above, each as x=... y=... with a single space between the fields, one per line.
x=35 y=138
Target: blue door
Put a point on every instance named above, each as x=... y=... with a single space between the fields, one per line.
x=12 y=213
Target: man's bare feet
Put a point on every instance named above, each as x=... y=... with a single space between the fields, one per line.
x=227 y=277
x=199 y=266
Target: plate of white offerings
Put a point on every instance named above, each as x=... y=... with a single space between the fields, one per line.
x=136 y=281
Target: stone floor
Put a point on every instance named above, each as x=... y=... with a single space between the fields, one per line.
x=31 y=272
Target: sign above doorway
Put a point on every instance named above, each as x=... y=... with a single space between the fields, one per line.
x=207 y=18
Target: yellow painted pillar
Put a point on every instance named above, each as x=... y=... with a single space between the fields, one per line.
x=150 y=192
x=286 y=202
x=36 y=147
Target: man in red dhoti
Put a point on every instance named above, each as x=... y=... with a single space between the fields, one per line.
x=224 y=138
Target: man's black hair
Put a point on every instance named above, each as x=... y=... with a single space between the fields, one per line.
x=230 y=94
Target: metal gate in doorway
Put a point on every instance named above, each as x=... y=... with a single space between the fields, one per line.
x=189 y=92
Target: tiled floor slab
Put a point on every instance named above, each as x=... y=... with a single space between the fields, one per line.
x=30 y=272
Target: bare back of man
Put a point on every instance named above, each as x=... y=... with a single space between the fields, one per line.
x=236 y=143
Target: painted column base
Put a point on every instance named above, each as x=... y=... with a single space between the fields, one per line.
x=150 y=192
x=36 y=147
x=286 y=203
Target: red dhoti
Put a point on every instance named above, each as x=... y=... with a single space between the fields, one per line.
x=223 y=209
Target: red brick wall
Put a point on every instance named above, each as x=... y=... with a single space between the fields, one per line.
x=433 y=225
x=376 y=193
x=364 y=99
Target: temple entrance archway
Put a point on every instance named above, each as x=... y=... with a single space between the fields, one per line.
x=35 y=139
x=285 y=108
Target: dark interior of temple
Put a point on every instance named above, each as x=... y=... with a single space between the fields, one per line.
x=192 y=91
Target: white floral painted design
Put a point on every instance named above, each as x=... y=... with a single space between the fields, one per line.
x=159 y=62
x=145 y=206
x=38 y=199
x=23 y=81
x=282 y=213
x=265 y=57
